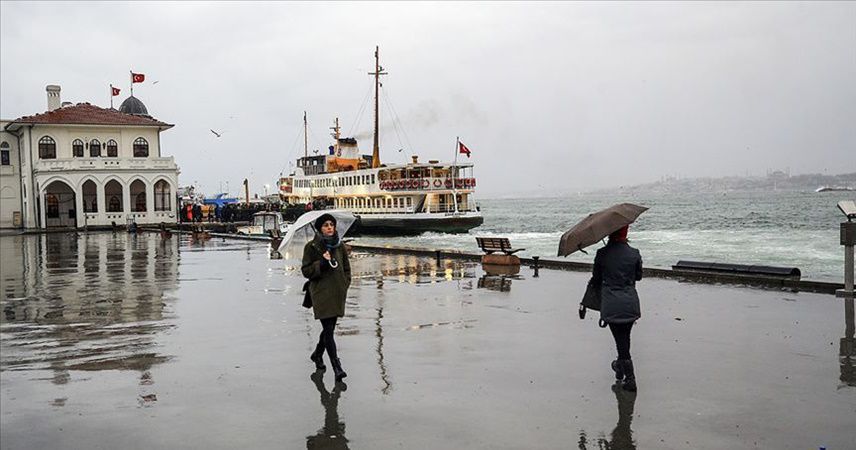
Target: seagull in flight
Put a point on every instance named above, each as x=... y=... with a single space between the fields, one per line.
x=216 y=133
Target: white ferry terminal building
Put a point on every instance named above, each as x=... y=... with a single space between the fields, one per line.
x=82 y=165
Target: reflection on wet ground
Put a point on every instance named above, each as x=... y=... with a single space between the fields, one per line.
x=85 y=302
x=332 y=435
x=135 y=341
x=622 y=436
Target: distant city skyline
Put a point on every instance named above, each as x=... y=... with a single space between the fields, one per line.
x=565 y=96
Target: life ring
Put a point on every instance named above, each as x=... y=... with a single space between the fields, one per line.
x=424 y=184
x=437 y=182
x=448 y=182
x=383 y=184
x=466 y=182
x=401 y=184
x=474 y=182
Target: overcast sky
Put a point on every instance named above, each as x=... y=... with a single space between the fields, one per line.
x=562 y=97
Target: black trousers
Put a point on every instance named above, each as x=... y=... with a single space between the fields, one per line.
x=326 y=339
x=621 y=334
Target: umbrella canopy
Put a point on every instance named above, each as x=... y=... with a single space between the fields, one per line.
x=598 y=226
x=303 y=229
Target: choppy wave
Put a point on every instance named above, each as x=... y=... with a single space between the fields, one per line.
x=780 y=228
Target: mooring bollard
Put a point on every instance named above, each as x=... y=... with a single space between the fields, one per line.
x=535 y=265
x=848 y=239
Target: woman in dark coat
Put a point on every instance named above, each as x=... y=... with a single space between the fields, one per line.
x=326 y=265
x=617 y=268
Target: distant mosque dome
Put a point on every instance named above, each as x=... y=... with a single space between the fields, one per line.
x=133 y=105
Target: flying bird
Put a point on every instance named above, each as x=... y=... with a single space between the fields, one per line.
x=216 y=133
x=156 y=82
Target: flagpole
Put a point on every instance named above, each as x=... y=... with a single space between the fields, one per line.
x=454 y=168
x=111 y=96
x=132 y=83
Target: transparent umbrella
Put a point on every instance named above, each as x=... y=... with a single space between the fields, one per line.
x=303 y=229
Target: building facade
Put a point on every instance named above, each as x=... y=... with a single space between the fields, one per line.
x=82 y=165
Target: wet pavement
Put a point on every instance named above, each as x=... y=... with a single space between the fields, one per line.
x=121 y=341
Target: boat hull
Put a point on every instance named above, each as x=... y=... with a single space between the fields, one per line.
x=415 y=225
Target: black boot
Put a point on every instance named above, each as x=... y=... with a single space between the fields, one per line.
x=629 y=375
x=337 y=369
x=318 y=357
x=618 y=368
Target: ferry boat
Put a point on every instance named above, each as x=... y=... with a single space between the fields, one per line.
x=406 y=198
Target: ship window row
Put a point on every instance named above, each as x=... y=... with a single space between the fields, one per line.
x=354 y=180
x=47 y=148
x=375 y=203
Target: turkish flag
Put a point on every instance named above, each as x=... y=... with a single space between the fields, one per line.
x=463 y=149
x=115 y=91
x=137 y=77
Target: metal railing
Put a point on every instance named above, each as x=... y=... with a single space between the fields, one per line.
x=427 y=184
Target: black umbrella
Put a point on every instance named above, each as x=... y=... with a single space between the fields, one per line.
x=598 y=226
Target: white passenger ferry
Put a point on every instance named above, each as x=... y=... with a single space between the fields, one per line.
x=387 y=199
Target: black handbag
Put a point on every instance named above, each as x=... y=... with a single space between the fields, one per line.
x=307 y=297
x=591 y=299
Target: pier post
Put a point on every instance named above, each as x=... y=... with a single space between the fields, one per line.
x=848 y=239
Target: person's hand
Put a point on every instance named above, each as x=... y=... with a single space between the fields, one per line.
x=326 y=255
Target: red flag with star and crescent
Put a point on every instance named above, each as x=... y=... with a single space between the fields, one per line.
x=463 y=149
x=115 y=90
x=137 y=77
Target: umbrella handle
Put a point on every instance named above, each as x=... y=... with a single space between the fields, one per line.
x=333 y=263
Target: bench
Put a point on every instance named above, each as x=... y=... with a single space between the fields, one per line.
x=491 y=245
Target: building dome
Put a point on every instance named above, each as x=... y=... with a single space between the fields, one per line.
x=133 y=105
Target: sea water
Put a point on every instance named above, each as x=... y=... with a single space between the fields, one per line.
x=776 y=228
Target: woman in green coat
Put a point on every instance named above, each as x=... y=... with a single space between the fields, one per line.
x=325 y=264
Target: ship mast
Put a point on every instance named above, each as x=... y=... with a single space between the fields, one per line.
x=305 y=137
x=335 y=135
x=377 y=73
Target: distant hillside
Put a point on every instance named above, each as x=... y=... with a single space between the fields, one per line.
x=776 y=180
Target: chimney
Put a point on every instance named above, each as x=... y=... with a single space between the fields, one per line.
x=415 y=159
x=53 y=96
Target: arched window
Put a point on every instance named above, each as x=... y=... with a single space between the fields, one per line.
x=94 y=148
x=47 y=148
x=138 y=196
x=141 y=148
x=4 y=154
x=162 y=195
x=77 y=148
x=113 y=194
x=112 y=149
x=90 y=197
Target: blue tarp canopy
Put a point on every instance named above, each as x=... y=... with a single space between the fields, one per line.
x=219 y=201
